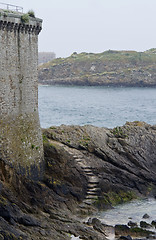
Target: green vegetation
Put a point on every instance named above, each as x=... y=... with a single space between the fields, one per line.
x=6 y=13
x=25 y=18
x=140 y=232
x=118 y=132
x=132 y=57
x=31 y=13
x=32 y=146
x=53 y=128
x=45 y=139
x=85 y=141
x=3 y=201
x=112 y=198
x=136 y=123
x=121 y=197
x=8 y=235
x=110 y=68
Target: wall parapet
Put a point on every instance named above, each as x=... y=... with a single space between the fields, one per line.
x=13 y=22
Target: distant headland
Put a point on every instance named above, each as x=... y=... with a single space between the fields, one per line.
x=110 y=68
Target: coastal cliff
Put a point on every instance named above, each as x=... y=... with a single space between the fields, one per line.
x=86 y=168
x=110 y=68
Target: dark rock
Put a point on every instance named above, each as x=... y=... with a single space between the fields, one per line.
x=10 y=232
x=145 y=215
x=98 y=226
x=136 y=231
x=27 y=220
x=5 y=213
x=9 y=211
x=144 y=224
x=7 y=236
x=125 y=238
x=132 y=224
x=140 y=232
x=1 y=237
x=153 y=223
x=121 y=229
x=89 y=222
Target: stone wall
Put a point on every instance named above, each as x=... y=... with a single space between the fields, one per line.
x=20 y=133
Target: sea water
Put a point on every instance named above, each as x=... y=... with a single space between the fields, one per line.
x=99 y=106
x=132 y=211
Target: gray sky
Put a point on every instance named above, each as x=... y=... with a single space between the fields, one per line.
x=93 y=25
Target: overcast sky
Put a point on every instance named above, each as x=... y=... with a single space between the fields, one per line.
x=93 y=25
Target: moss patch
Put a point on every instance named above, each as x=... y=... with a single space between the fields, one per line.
x=119 y=132
x=112 y=198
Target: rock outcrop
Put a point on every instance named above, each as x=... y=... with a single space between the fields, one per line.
x=109 y=166
x=86 y=168
x=110 y=68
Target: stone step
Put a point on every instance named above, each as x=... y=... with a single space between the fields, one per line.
x=87 y=171
x=92 y=185
x=78 y=160
x=89 y=174
x=89 y=193
x=93 y=179
x=91 y=197
x=93 y=189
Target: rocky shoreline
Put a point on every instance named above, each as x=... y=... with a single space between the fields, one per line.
x=110 y=68
x=86 y=169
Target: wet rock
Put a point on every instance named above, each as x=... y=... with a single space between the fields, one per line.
x=125 y=238
x=98 y=226
x=154 y=223
x=121 y=229
x=132 y=224
x=136 y=231
x=144 y=224
x=140 y=232
x=146 y=216
x=89 y=222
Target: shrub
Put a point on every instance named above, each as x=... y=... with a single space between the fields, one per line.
x=25 y=18
x=31 y=13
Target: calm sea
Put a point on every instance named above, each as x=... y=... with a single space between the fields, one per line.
x=99 y=106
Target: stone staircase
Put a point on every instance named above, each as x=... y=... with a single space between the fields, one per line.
x=93 y=180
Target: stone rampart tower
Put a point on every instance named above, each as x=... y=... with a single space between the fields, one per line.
x=20 y=132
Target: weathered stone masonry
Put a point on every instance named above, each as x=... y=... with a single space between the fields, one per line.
x=20 y=133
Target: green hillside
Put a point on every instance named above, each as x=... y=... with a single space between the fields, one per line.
x=108 y=68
